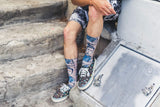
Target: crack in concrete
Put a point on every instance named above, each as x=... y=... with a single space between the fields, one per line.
x=5 y=87
x=1 y=45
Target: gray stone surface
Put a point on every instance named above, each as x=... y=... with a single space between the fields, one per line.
x=38 y=99
x=31 y=75
x=80 y=99
x=30 y=39
x=30 y=10
x=117 y=91
x=140 y=25
x=2 y=88
x=107 y=52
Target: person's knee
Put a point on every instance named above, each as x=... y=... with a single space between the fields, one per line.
x=69 y=35
x=93 y=14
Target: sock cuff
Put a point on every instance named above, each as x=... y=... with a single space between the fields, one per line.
x=71 y=61
x=92 y=39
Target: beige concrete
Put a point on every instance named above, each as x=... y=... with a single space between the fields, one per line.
x=81 y=99
x=30 y=39
x=17 y=11
x=31 y=75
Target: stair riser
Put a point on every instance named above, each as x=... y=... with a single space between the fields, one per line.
x=34 y=14
x=31 y=48
x=15 y=88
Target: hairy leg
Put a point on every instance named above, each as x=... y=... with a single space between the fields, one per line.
x=70 y=50
x=95 y=24
x=70 y=35
x=94 y=29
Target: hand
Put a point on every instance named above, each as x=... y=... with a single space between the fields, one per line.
x=103 y=6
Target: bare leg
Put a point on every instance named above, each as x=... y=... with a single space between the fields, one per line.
x=70 y=35
x=95 y=24
x=70 y=50
x=94 y=29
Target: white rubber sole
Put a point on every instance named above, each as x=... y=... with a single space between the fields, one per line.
x=58 y=99
x=90 y=81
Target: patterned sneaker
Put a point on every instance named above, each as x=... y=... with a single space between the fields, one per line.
x=86 y=76
x=61 y=93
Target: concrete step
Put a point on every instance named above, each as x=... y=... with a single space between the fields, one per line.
x=30 y=39
x=39 y=99
x=19 y=77
x=30 y=10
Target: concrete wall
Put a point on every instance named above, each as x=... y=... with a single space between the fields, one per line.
x=139 y=24
x=70 y=9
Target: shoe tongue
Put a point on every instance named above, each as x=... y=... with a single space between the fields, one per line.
x=85 y=66
x=64 y=87
x=84 y=72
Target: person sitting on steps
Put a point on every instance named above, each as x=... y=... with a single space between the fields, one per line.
x=89 y=14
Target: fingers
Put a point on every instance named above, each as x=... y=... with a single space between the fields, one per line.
x=104 y=12
x=107 y=11
x=104 y=7
x=110 y=8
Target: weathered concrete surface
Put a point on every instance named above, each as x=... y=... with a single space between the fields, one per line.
x=140 y=26
x=80 y=99
x=30 y=10
x=30 y=39
x=38 y=99
x=75 y=96
x=31 y=74
x=2 y=88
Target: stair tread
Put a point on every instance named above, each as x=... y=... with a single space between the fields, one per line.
x=25 y=39
x=22 y=68
x=30 y=31
x=31 y=74
x=19 y=11
x=10 y=5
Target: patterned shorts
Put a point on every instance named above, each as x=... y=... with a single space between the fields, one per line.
x=80 y=14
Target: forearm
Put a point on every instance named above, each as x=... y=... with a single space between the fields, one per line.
x=81 y=2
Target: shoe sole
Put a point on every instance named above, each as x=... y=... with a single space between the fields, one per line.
x=90 y=81
x=59 y=99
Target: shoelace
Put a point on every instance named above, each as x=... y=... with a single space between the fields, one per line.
x=84 y=72
x=64 y=88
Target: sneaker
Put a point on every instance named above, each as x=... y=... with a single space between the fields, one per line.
x=61 y=94
x=86 y=76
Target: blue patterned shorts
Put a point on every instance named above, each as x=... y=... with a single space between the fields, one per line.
x=80 y=14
